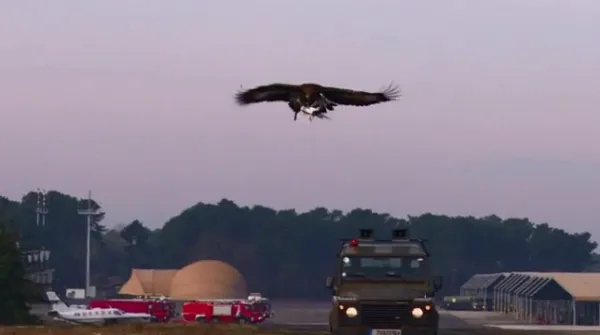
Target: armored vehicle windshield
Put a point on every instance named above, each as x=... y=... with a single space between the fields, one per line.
x=383 y=266
x=371 y=259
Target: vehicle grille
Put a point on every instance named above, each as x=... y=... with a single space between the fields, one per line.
x=393 y=314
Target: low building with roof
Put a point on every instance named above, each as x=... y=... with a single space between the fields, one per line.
x=482 y=286
x=549 y=297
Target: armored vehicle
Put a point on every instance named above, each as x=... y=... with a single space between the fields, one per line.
x=383 y=287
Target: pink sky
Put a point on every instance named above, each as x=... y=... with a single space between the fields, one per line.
x=133 y=99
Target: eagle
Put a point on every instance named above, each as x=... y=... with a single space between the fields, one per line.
x=314 y=100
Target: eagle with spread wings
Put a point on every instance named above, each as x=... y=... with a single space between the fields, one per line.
x=314 y=100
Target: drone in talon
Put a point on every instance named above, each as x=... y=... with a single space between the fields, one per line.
x=314 y=100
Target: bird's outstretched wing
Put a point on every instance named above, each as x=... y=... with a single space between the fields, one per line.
x=266 y=93
x=343 y=96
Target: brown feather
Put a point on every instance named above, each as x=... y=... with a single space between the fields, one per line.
x=344 y=96
x=310 y=88
x=266 y=93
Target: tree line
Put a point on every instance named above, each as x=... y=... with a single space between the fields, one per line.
x=284 y=253
x=16 y=291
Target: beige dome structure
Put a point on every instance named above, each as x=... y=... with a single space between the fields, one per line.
x=209 y=279
x=149 y=282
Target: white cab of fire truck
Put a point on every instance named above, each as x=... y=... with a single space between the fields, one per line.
x=258 y=298
x=254 y=296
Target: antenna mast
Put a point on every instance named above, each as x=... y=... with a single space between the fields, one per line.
x=41 y=209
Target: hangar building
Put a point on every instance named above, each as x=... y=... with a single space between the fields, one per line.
x=206 y=279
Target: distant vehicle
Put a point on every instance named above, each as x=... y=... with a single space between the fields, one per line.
x=465 y=303
x=383 y=287
x=61 y=311
x=160 y=309
x=253 y=310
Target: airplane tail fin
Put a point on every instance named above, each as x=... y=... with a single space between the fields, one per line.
x=57 y=304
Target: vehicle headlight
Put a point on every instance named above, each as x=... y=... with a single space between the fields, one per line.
x=351 y=312
x=417 y=312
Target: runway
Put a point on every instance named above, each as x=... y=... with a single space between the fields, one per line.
x=313 y=316
x=310 y=319
x=306 y=314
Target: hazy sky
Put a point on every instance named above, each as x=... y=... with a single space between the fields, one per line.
x=134 y=100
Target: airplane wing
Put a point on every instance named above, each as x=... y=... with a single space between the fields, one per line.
x=58 y=317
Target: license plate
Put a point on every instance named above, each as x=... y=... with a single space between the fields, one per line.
x=386 y=331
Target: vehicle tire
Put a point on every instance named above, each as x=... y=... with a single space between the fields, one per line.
x=214 y=320
x=243 y=321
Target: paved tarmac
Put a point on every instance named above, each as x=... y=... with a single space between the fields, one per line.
x=550 y=328
x=313 y=316
x=316 y=314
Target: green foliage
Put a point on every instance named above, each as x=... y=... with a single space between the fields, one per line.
x=16 y=292
x=285 y=254
x=595 y=265
x=63 y=234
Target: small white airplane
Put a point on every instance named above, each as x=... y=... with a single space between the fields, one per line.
x=61 y=311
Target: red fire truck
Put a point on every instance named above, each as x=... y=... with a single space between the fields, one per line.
x=264 y=304
x=252 y=310
x=160 y=309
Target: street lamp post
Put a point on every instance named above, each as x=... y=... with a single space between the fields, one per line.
x=89 y=212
